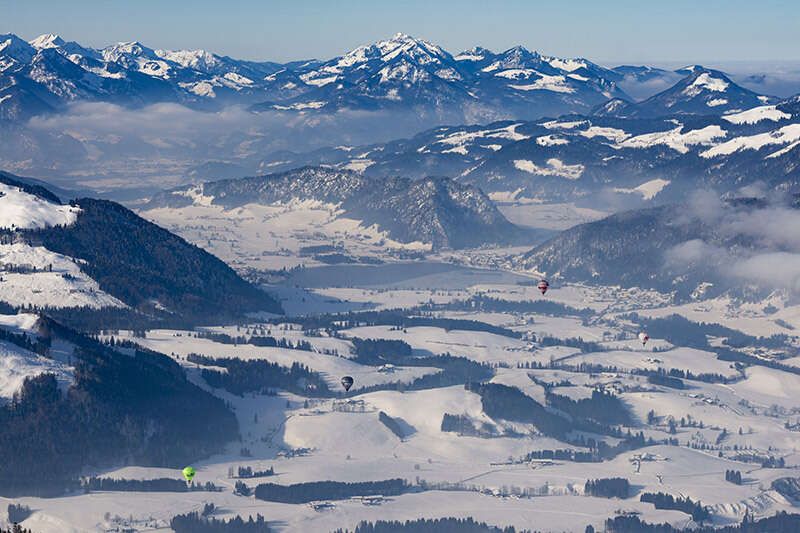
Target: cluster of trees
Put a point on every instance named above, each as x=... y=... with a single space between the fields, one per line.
x=16 y=528
x=39 y=345
x=454 y=371
x=666 y=381
x=707 y=377
x=92 y=319
x=164 y=484
x=657 y=374
x=577 y=456
x=463 y=425
x=602 y=406
x=772 y=462
x=733 y=476
x=258 y=375
x=662 y=500
x=140 y=408
x=614 y=487
x=681 y=331
x=18 y=513
x=509 y=403
x=394 y=425
x=256 y=340
x=242 y=489
x=428 y=525
x=573 y=342
x=195 y=522
x=489 y=304
x=781 y=522
x=139 y=263
x=380 y=351
x=247 y=472
x=329 y=490
x=394 y=317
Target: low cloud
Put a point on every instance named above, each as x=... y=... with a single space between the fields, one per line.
x=96 y=144
x=754 y=245
x=780 y=270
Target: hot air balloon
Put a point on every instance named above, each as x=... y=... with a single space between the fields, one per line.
x=543 y=286
x=347 y=382
x=188 y=473
x=644 y=337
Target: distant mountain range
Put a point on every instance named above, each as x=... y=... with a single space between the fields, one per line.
x=621 y=154
x=95 y=255
x=701 y=92
x=388 y=90
x=436 y=211
x=402 y=72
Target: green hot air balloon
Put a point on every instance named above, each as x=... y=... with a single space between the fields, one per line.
x=189 y=473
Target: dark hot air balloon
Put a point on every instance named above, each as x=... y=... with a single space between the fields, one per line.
x=347 y=382
x=543 y=286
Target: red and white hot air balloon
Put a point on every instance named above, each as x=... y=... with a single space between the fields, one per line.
x=543 y=286
x=644 y=337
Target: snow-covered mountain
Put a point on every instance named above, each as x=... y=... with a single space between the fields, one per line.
x=578 y=156
x=400 y=72
x=48 y=72
x=702 y=92
x=438 y=212
x=97 y=255
x=404 y=71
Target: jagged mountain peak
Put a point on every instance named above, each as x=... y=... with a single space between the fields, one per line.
x=129 y=49
x=47 y=40
x=690 y=69
x=435 y=210
x=476 y=53
x=15 y=48
x=399 y=46
x=190 y=58
x=703 y=91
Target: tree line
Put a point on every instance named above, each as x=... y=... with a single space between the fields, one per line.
x=195 y=522
x=329 y=490
x=662 y=500
x=429 y=525
x=257 y=375
x=164 y=484
x=140 y=408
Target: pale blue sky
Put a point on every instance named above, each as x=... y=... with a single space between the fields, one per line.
x=677 y=31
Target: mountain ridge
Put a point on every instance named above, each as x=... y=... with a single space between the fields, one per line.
x=95 y=253
x=438 y=211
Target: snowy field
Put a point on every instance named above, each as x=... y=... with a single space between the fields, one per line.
x=735 y=421
x=271 y=237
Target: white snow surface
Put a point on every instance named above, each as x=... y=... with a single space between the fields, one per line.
x=22 y=210
x=757 y=114
x=33 y=275
x=676 y=139
x=784 y=135
x=706 y=81
x=648 y=189
x=16 y=363
x=554 y=167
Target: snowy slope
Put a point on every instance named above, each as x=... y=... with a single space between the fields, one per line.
x=16 y=363
x=22 y=210
x=702 y=92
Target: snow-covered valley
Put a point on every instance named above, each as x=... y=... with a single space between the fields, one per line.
x=721 y=418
